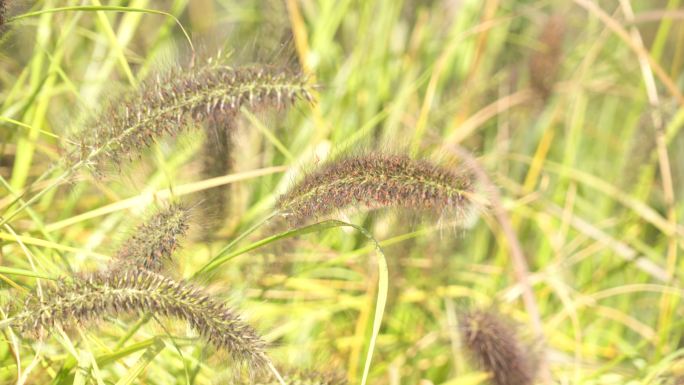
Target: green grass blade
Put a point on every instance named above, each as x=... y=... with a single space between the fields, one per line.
x=24 y=273
x=95 y=8
x=147 y=357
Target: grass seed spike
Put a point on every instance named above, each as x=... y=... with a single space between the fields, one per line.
x=377 y=181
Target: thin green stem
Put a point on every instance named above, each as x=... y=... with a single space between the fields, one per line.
x=224 y=252
x=93 y=8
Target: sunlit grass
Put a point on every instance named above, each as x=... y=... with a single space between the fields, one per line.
x=585 y=229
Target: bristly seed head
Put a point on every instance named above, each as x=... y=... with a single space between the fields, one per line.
x=169 y=103
x=101 y=295
x=492 y=341
x=298 y=377
x=3 y=15
x=293 y=376
x=376 y=181
x=154 y=241
x=217 y=160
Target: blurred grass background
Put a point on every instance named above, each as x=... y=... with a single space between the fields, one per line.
x=574 y=108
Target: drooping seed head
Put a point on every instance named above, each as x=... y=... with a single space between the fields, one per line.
x=493 y=343
x=110 y=294
x=376 y=181
x=176 y=100
x=154 y=241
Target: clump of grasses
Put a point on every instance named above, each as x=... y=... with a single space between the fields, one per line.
x=100 y=295
x=375 y=181
x=546 y=60
x=154 y=241
x=492 y=341
x=176 y=100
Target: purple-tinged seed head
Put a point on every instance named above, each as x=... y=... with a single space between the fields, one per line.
x=375 y=181
x=175 y=101
x=97 y=296
x=493 y=343
x=154 y=241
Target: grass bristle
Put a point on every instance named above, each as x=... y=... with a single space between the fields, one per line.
x=493 y=343
x=546 y=60
x=377 y=181
x=170 y=103
x=154 y=241
x=101 y=295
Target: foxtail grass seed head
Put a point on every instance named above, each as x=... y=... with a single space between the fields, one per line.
x=102 y=295
x=3 y=15
x=217 y=160
x=154 y=241
x=493 y=343
x=292 y=377
x=172 y=102
x=376 y=181
x=6 y=13
x=545 y=62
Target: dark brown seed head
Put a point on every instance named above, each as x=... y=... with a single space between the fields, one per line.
x=492 y=342
x=154 y=242
x=375 y=181
x=174 y=101
x=217 y=160
x=110 y=294
x=3 y=15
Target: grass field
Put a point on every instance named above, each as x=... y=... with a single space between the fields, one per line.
x=568 y=114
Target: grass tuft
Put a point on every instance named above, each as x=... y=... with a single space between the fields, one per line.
x=492 y=341
x=101 y=295
x=377 y=181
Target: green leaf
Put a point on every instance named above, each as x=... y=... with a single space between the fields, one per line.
x=22 y=272
x=92 y=8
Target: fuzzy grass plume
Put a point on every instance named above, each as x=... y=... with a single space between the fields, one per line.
x=101 y=295
x=175 y=101
x=492 y=341
x=301 y=377
x=3 y=15
x=546 y=61
x=154 y=241
x=5 y=19
x=217 y=160
x=375 y=181
x=312 y=378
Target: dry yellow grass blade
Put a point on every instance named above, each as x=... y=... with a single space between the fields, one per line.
x=146 y=198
